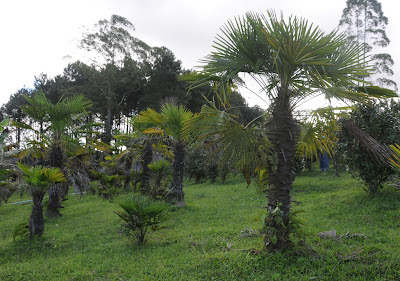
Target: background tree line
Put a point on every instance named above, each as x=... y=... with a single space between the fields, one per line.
x=124 y=77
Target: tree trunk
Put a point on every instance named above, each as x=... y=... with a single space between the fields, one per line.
x=282 y=132
x=36 y=220
x=147 y=157
x=107 y=134
x=54 y=204
x=128 y=172
x=335 y=164
x=175 y=193
x=309 y=162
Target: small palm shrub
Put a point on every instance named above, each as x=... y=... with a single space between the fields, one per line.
x=108 y=185
x=141 y=215
x=39 y=179
x=21 y=230
x=160 y=177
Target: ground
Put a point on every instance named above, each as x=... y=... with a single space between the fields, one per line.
x=215 y=237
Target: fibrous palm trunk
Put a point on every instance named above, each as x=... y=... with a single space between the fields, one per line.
x=128 y=162
x=147 y=157
x=54 y=204
x=175 y=193
x=282 y=133
x=335 y=164
x=36 y=220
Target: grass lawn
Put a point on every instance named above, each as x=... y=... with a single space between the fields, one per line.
x=86 y=242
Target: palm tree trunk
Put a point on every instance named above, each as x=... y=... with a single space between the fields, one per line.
x=335 y=164
x=282 y=132
x=36 y=220
x=54 y=204
x=147 y=157
x=175 y=193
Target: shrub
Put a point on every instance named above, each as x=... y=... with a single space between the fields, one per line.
x=379 y=122
x=140 y=215
x=160 y=177
x=7 y=184
x=21 y=230
x=195 y=164
x=201 y=164
x=108 y=185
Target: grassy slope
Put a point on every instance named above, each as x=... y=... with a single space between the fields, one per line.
x=86 y=244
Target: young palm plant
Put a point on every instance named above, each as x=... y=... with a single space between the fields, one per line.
x=39 y=179
x=140 y=215
x=292 y=61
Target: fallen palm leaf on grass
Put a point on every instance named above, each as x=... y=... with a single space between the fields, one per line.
x=331 y=234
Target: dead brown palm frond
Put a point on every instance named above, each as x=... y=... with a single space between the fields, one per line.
x=380 y=153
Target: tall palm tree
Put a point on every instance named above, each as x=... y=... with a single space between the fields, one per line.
x=170 y=122
x=39 y=179
x=292 y=61
x=62 y=117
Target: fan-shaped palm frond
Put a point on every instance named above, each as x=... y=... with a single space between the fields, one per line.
x=318 y=133
x=246 y=147
x=37 y=107
x=174 y=119
x=64 y=113
x=41 y=178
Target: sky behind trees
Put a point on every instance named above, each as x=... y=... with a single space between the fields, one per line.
x=42 y=36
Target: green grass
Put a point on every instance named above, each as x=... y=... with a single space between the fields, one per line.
x=87 y=244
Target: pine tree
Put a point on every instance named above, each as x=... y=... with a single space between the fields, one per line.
x=365 y=23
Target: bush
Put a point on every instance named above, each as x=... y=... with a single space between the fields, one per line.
x=6 y=190
x=7 y=184
x=141 y=215
x=195 y=164
x=201 y=165
x=379 y=122
x=160 y=177
x=108 y=186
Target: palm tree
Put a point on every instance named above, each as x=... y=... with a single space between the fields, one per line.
x=62 y=120
x=61 y=117
x=39 y=179
x=170 y=123
x=138 y=146
x=291 y=61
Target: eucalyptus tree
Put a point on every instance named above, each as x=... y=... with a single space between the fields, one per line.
x=170 y=122
x=292 y=61
x=114 y=45
x=365 y=23
x=162 y=82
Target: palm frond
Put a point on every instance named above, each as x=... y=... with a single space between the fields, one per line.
x=39 y=177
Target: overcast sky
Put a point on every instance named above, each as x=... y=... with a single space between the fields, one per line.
x=37 y=36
